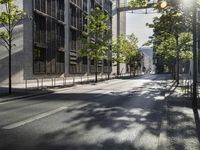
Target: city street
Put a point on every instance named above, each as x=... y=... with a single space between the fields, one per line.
x=119 y=114
x=99 y=75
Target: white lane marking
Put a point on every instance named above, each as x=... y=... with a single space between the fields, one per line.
x=37 y=117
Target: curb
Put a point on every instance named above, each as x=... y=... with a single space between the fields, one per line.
x=26 y=96
x=50 y=92
x=163 y=141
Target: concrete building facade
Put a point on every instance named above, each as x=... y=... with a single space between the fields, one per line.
x=118 y=28
x=48 y=41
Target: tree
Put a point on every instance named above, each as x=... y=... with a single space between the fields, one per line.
x=125 y=50
x=10 y=17
x=118 y=47
x=97 y=37
x=134 y=54
x=167 y=30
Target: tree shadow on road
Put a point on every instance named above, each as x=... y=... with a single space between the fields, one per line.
x=130 y=117
x=118 y=120
x=183 y=128
x=109 y=144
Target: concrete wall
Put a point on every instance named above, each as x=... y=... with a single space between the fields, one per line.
x=66 y=38
x=122 y=31
x=28 y=40
x=17 y=55
x=122 y=20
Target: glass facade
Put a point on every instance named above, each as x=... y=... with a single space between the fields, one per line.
x=49 y=36
x=48 y=52
x=78 y=8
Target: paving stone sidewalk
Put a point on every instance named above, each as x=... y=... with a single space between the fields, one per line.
x=180 y=128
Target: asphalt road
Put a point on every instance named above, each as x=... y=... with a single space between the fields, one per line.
x=120 y=114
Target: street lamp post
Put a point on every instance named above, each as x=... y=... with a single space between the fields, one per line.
x=194 y=27
x=118 y=33
x=177 y=60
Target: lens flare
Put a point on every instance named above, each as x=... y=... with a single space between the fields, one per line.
x=163 y=4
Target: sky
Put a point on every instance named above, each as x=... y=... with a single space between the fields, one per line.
x=136 y=23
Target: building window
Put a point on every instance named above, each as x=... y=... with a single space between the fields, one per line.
x=40 y=5
x=73 y=40
x=92 y=4
x=105 y=62
x=61 y=35
x=60 y=10
x=85 y=60
x=85 y=6
x=39 y=60
x=73 y=16
x=40 y=29
x=49 y=2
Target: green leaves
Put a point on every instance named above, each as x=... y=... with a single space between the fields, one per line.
x=11 y=12
x=137 y=3
x=10 y=16
x=171 y=27
x=97 y=21
x=3 y=2
x=167 y=48
x=99 y=40
x=4 y=35
x=125 y=49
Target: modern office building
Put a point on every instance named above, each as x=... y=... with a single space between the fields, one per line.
x=48 y=41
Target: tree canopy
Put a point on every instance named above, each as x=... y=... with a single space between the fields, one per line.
x=125 y=50
x=97 y=38
x=172 y=33
x=10 y=17
x=137 y=3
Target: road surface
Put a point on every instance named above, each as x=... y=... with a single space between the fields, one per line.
x=120 y=114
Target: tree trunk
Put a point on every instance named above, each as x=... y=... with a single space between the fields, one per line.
x=195 y=52
x=108 y=72
x=174 y=75
x=96 y=71
x=177 y=60
x=10 y=76
x=172 y=72
x=9 y=47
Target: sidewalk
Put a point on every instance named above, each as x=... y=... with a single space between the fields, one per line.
x=42 y=86
x=180 y=129
x=46 y=86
